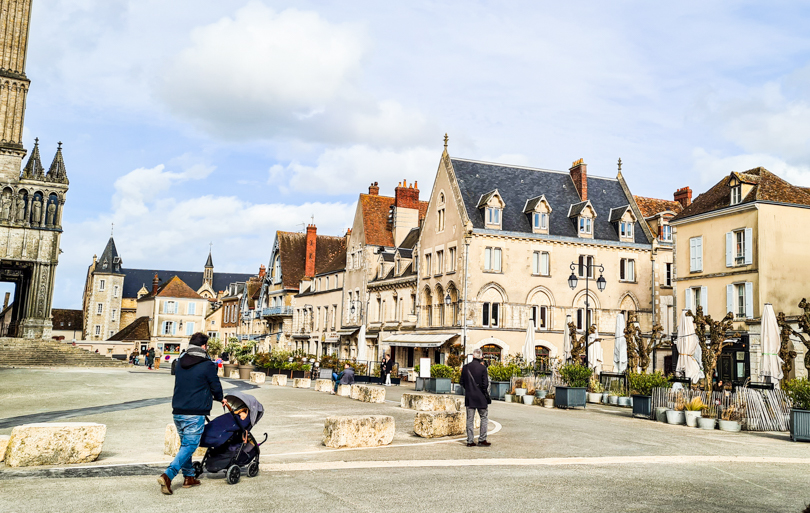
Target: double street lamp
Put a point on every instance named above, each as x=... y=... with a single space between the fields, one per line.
x=601 y=283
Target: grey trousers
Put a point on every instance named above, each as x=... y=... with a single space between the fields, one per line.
x=482 y=412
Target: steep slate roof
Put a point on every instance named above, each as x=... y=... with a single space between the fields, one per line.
x=175 y=287
x=67 y=319
x=375 y=211
x=135 y=278
x=330 y=255
x=410 y=240
x=518 y=184
x=137 y=330
x=617 y=213
x=209 y=262
x=651 y=206
x=767 y=187
x=110 y=255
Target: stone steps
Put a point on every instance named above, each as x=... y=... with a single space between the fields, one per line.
x=22 y=353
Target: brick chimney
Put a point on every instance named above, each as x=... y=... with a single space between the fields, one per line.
x=579 y=174
x=374 y=189
x=262 y=271
x=684 y=196
x=155 y=283
x=312 y=242
x=406 y=196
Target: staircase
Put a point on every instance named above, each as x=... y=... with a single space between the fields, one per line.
x=18 y=352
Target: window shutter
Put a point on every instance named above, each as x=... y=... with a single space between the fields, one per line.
x=687 y=299
x=579 y=319
x=749 y=298
x=692 y=263
x=730 y=300
x=749 y=247
x=174 y=328
x=704 y=300
x=488 y=259
x=730 y=249
x=546 y=264
x=497 y=259
x=699 y=254
x=631 y=268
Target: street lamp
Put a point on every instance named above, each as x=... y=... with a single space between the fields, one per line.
x=601 y=283
x=448 y=299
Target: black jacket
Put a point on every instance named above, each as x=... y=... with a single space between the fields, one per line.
x=472 y=373
x=196 y=385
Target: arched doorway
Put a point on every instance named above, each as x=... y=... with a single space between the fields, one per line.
x=491 y=353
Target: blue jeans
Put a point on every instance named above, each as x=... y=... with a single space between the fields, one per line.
x=190 y=428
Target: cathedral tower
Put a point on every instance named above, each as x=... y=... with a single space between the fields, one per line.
x=14 y=18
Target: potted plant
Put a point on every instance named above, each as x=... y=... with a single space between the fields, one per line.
x=708 y=420
x=499 y=379
x=541 y=389
x=244 y=356
x=456 y=380
x=693 y=410
x=661 y=413
x=615 y=391
x=676 y=415
x=641 y=387
x=439 y=381
x=215 y=347
x=548 y=401
x=528 y=398
x=799 y=392
x=595 y=390
x=232 y=349
x=519 y=386
x=573 y=395
x=730 y=419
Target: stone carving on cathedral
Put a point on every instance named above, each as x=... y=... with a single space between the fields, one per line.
x=6 y=209
x=20 y=209
x=37 y=210
x=50 y=215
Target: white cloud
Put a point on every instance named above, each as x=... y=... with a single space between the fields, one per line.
x=712 y=167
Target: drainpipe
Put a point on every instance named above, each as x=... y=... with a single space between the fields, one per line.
x=467 y=237
x=653 y=251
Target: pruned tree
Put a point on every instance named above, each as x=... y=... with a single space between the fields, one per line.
x=632 y=336
x=645 y=348
x=713 y=343
x=579 y=345
x=788 y=357
x=804 y=324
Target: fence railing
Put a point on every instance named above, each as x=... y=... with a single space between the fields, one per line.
x=277 y=310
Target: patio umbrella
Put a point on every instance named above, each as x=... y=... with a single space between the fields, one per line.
x=361 y=344
x=688 y=347
x=620 y=346
x=566 y=345
x=595 y=353
x=771 y=363
x=528 y=344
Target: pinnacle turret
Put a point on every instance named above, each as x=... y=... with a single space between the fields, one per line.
x=57 y=172
x=33 y=170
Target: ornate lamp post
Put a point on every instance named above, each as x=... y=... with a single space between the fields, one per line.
x=601 y=283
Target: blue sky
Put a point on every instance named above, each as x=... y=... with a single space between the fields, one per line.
x=187 y=122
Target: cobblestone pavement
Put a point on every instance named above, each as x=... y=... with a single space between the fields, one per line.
x=577 y=460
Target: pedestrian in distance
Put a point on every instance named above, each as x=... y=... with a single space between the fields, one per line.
x=388 y=362
x=196 y=386
x=346 y=377
x=150 y=358
x=475 y=381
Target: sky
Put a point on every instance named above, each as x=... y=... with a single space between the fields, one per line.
x=186 y=123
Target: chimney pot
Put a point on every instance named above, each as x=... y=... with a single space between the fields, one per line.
x=312 y=242
x=579 y=174
x=683 y=196
x=155 y=283
x=374 y=189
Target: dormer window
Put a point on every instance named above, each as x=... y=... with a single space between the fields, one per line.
x=626 y=230
x=493 y=205
x=623 y=219
x=666 y=233
x=539 y=212
x=540 y=221
x=736 y=194
x=584 y=215
x=493 y=216
x=585 y=226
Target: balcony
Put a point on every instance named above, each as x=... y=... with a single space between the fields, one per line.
x=277 y=311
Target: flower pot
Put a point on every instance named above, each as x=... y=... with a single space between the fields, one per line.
x=642 y=406
x=541 y=394
x=624 y=401
x=459 y=389
x=799 y=425
x=661 y=413
x=438 y=385
x=614 y=399
x=605 y=397
x=548 y=403
x=691 y=417
x=228 y=368
x=420 y=384
x=509 y=398
x=528 y=399
x=729 y=425
x=244 y=371
x=497 y=389
x=707 y=423
x=594 y=397
x=675 y=417
x=520 y=392
x=570 y=397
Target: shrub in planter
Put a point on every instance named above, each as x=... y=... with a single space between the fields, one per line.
x=799 y=392
x=441 y=371
x=730 y=419
x=641 y=383
x=575 y=375
x=693 y=410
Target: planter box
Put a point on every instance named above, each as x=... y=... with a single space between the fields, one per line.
x=528 y=399
x=228 y=368
x=676 y=417
x=799 y=425
x=707 y=423
x=438 y=385
x=729 y=425
x=613 y=399
x=362 y=379
x=244 y=371
x=498 y=389
x=594 y=398
x=642 y=406
x=624 y=401
x=420 y=384
x=299 y=374
x=570 y=397
x=459 y=389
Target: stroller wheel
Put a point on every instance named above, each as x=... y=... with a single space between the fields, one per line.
x=233 y=473
x=198 y=468
x=253 y=469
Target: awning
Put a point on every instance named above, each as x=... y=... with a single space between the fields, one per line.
x=345 y=333
x=305 y=337
x=419 y=340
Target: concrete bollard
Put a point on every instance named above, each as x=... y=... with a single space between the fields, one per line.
x=55 y=443
x=279 y=380
x=358 y=431
x=369 y=394
x=431 y=402
x=435 y=424
x=234 y=374
x=324 y=385
x=3 y=445
x=171 y=443
x=355 y=394
x=344 y=390
x=302 y=383
x=257 y=378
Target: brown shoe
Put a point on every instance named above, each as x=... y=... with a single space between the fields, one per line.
x=470 y=444
x=484 y=444
x=191 y=481
x=165 y=484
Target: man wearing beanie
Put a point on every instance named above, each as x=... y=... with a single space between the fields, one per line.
x=196 y=385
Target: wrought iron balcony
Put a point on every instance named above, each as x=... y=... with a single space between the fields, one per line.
x=277 y=311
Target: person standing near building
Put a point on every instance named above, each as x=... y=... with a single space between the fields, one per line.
x=196 y=386
x=388 y=364
x=475 y=380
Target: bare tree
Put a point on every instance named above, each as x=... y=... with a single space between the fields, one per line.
x=579 y=345
x=713 y=345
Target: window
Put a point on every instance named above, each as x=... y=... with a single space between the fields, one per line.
x=112 y=315
x=413 y=304
x=627 y=269
x=491 y=314
x=740 y=300
x=540 y=221
x=441 y=220
x=189 y=328
x=540 y=317
x=439 y=262
x=379 y=310
x=666 y=233
x=115 y=291
x=667 y=275
x=696 y=254
x=739 y=247
x=168 y=328
x=585 y=264
x=99 y=308
x=491 y=353
x=626 y=229
x=170 y=307
x=493 y=215
x=540 y=263
x=451 y=262
x=101 y=284
x=110 y=349
x=697 y=297
x=736 y=194
x=428 y=264
x=492 y=259
x=192 y=308
x=581 y=321
x=98 y=329
x=585 y=226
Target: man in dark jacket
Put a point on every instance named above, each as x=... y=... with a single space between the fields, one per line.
x=196 y=385
x=475 y=380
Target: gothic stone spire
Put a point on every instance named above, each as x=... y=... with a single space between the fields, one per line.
x=33 y=169
x=57 y=172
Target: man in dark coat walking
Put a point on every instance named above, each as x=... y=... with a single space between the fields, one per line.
x=475 y=380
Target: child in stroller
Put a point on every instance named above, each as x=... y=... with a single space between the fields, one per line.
x=230 y=443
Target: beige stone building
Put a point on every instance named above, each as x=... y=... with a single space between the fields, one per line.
x=316 y=316
x=213 y=323
x=736 y=249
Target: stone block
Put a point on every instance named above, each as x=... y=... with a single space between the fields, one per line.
x=234 y=374
x=356 y=389
x=434 y=424
x=344 y=390
x=279 y=380
x=171 y=443
x=324 y=385
x=302 y=383
x=257 y=378
x=221 y=372
x=369 y=394
x=55 y=443
x=3 y=445
x=432 y=402
x=358 y=431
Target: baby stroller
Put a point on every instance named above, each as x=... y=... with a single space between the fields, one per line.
x=231 y=446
